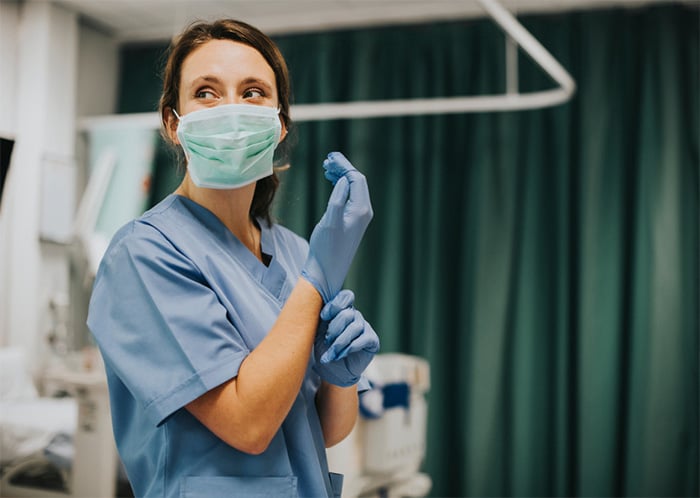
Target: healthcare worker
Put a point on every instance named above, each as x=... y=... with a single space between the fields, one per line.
x=233 y=357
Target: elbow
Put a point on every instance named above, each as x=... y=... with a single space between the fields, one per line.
x=254 y=447
x=333 y=436
x=255 y=441
x=330 y=442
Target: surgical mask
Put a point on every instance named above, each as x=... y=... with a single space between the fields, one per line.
x=229 y=146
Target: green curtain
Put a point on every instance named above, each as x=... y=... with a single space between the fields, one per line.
x=544 y=262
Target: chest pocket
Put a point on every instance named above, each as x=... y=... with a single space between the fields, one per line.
x=243 y=487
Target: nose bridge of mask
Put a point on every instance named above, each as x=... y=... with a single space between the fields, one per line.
x=230 y=113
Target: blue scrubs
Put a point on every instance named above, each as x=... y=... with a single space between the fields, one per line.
x=177 y=304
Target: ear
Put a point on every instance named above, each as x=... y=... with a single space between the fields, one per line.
x=283 y=135
x=171 y=121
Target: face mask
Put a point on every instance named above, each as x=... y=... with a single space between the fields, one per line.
x=229 y=146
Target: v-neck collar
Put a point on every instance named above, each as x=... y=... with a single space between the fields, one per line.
x=272 y=276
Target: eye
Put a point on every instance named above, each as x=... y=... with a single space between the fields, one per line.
x=253 y=93
x=205 y=94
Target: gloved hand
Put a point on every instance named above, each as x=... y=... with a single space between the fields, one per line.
x=337 y=235
x=345 y=343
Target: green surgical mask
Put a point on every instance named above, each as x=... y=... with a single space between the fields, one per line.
x=229 y=146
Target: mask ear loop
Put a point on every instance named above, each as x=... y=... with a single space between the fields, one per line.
x=176 y=114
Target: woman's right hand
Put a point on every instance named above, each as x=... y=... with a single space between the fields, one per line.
x=345 y=343
x=337 y=235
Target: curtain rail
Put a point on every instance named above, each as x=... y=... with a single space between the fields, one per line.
x=509 y=101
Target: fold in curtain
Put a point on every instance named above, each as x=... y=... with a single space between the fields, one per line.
x=544 y=262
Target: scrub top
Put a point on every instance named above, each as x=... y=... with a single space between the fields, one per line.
x=177 y=304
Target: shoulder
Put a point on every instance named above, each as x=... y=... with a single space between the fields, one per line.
x=149 y=239
x=167 y=223
x=137 y=235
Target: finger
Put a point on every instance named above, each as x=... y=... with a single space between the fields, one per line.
x=336 y=166
x=339 y=195
x=341 y=321
x=336 y=202
x=344 y=343
x=368 y=341
x=344 y=299
x=345 y=328
x=359 y=192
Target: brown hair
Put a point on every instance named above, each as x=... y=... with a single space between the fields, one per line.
x=200 y=32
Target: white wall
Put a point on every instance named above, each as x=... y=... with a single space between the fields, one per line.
x=45 y=101
x=9 y=19
x=53 y=70
x=98 y=72
x=9 y=16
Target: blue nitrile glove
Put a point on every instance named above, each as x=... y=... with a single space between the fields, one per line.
x=345 y=343
x=337 y=235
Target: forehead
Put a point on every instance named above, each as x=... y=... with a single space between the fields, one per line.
x=228 y=60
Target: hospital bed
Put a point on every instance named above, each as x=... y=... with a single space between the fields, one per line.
x=63 y=447
x=53 y=447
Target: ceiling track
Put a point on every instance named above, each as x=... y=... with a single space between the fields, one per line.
x=511 y=100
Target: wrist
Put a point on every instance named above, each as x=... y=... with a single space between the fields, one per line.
x=310 y=274
x=330 y=389
x=310 y=290
x=336 y=374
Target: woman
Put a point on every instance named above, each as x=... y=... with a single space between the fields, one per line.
x=232 y=355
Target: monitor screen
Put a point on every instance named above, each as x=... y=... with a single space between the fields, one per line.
x=6 y=146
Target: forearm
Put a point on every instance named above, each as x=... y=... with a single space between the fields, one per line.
x=247 y=411
x=337 y=410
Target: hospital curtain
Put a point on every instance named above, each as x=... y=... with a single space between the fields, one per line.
x=544 y=262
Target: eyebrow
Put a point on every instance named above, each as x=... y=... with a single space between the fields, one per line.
x=257 y=81
x=208 y=78
x=204 y=79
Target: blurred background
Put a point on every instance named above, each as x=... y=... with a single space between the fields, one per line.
x=544 y=262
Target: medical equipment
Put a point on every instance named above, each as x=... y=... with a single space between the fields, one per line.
x=6 y=146
x=383 y=454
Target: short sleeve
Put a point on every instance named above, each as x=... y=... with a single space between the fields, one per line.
x=158 y=324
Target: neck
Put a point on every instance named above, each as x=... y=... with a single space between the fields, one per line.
x=231 y=207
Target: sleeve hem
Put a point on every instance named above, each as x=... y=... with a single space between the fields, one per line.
x=159 y=409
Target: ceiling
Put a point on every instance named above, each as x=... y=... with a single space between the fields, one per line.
x=144 y=20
